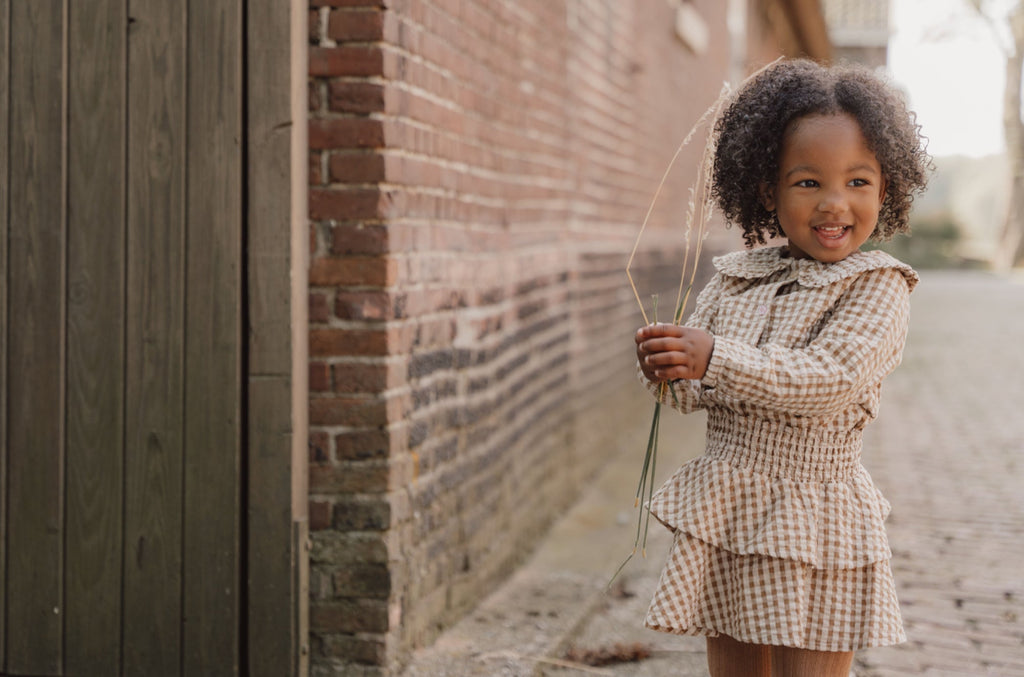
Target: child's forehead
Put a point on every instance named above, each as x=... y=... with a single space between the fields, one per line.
x=824 y=127
x=827 y=136
x=830 y=119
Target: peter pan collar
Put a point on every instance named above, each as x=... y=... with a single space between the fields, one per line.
x=757 y=263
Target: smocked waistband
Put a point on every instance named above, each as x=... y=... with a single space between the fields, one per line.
x=778 y=450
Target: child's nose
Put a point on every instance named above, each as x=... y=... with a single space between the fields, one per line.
x=832 y=201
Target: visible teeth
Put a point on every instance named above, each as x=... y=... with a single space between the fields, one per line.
x=831 y=232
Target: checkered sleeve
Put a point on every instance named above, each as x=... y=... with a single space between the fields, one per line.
x=861 y=343
x=684 y=394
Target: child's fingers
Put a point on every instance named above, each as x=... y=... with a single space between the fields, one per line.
x=661 y=345
x=671 y=366
x=674 y=373
x=672 y=344
x=666 y=358
x=658 y=331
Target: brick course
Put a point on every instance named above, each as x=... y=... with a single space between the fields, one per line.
x=479 y=170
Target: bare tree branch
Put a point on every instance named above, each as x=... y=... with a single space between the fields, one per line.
x=987 y=13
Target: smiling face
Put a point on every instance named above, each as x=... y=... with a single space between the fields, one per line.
x=830 y=188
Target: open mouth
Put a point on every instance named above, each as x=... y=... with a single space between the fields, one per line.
x=829 y=233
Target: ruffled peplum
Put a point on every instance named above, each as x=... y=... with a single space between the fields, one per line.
x=764 y=488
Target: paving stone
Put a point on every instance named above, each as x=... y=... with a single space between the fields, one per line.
x=948 y=451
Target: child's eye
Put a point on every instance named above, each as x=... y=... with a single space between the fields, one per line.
x=857 y=183
x=807 y=183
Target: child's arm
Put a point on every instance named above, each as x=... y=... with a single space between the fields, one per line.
x=860 y=345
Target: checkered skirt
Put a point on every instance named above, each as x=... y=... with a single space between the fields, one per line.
x=782 y=545
x=708 y=590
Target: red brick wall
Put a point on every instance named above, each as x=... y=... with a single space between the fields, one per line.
x=479 y=171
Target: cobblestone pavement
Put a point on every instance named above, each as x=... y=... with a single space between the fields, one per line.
x=948 y=452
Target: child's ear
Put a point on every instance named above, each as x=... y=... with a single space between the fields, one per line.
x=881 y=193
x=768 y=196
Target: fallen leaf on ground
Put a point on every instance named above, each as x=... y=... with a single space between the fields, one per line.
x=609 y=655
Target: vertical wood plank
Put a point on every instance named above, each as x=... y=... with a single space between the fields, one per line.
x=5 y=102
x=154 y=347
x=275 y=639
x=213 y=385
x=272 y=597
x=95 y=351
x=34 y=424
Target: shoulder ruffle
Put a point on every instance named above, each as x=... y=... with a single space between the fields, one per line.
x=829 y=525
x=752 y=263
x=756 y=263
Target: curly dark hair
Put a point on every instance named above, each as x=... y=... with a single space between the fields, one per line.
x=751 y=130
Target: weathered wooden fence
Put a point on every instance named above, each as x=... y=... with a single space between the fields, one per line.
x=147 y=525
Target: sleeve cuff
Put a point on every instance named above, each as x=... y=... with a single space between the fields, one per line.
x=716 y=364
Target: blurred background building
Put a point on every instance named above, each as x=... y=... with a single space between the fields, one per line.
x=859 y=30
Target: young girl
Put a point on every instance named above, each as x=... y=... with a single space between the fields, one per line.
x=780 y=556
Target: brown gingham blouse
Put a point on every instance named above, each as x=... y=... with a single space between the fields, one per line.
x=779 y=535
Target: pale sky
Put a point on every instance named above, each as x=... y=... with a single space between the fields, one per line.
x=950 y=63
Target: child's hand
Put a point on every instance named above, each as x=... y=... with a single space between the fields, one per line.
x=668 y=352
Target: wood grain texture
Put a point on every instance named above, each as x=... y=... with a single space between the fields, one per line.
x=95 y=335
x=35 y=527
x=213 y=380
x=155 y=340
x=273 y=632
x=269 y=172
x=5 y=144
x=123 y=376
